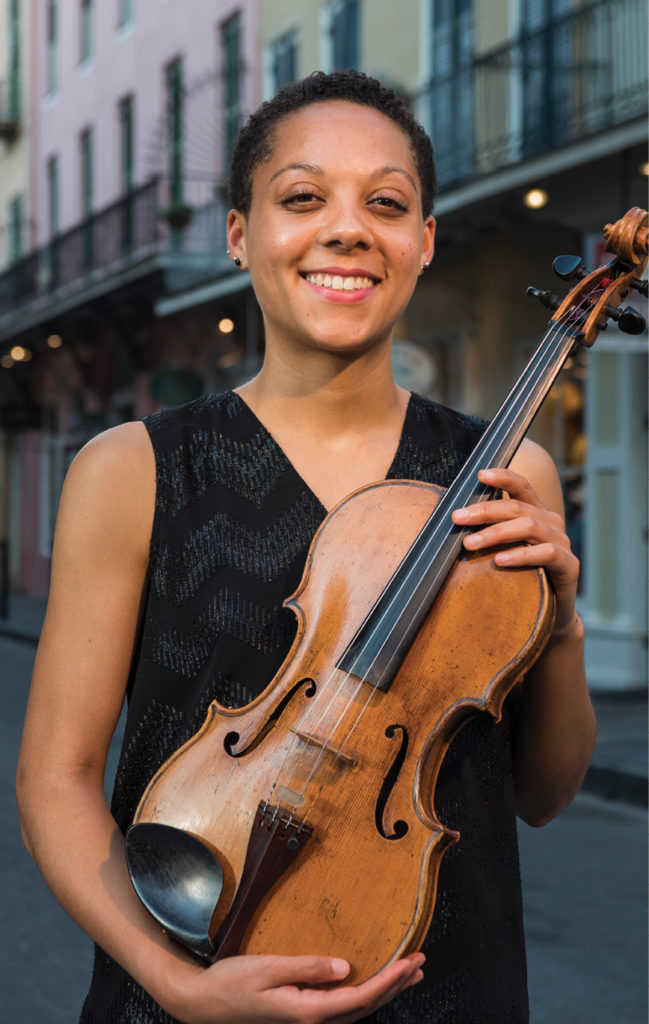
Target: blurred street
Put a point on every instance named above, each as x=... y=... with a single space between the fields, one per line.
x=584 y=881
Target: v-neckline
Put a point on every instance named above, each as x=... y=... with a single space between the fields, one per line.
x=266 y=432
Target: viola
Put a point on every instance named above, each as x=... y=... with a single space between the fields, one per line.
x=305 y=822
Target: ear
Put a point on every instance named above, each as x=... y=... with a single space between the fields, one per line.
x=236 y=234
x=428 y=248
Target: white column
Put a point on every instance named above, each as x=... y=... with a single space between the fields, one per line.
x=614 y=600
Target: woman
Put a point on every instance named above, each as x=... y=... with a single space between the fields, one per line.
x=179 y=538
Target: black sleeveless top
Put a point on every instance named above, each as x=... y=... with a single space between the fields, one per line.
x=232 y=527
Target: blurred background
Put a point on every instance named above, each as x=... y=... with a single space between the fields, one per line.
x=117 y=120
x=116 y=297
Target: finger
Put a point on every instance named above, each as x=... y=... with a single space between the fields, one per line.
x=303 y=970
x=525 y=529
x=508 y=509
x=514 y=484
x=548 y=556
x=350 y=1003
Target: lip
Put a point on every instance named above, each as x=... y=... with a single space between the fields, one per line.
x=338 y=295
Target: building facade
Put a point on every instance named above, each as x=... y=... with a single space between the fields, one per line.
x=125 y=301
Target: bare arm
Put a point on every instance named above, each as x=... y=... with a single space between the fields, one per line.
x=555 y=724
x=98 y=571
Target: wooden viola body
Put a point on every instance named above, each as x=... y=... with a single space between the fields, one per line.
x=357 y=764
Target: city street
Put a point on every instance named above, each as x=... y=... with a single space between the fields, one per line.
x=584 y=879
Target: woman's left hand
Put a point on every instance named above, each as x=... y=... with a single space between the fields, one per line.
x=537 y=533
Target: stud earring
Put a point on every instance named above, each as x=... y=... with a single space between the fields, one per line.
x=237 y=261
x=425 y=266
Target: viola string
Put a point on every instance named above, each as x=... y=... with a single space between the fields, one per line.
x=550 y=337
x=369 y=696
x=505 y=428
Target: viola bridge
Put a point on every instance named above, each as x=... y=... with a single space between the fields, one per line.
x=334 y=754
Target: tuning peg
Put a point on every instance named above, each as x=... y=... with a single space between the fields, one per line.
x=641 y=285
x=569 y=267
x=628 y=319
x=545 y=298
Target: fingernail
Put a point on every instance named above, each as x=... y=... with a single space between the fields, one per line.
x=462 y=514
x=473 y=540
x=339 y=968
x=501 y=558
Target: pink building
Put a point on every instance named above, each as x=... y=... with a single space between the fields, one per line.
x=113 y=81
x=134 y=108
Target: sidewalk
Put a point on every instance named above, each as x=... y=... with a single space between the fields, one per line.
x=619 y=767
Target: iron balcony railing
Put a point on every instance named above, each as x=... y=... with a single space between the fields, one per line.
x=141 y=224
x=564 y=81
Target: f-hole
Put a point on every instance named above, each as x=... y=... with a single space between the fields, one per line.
x=232 y=738
x=400 y=826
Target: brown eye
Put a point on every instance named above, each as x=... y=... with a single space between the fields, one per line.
x=390 y=203
x=299 y=199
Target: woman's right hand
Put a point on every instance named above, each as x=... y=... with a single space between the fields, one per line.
x=283 y=990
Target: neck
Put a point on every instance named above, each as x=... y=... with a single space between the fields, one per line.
x=327 y=395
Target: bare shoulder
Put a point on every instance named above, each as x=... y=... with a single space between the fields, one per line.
x=111 y=486
x=534 y=463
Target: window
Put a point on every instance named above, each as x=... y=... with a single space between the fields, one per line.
x=126 y=138
x=342 y=35
x=452 y=88
x=53 y=195
x=14 y=61
x=87 y=160
x=231 y=50
x=86 y=31
x=125 y=13
x=51 y=60
x=86 y=147
x=16 y=219
x=282 y=61
x=175 y=129
x=547 y=61
x=126 y=134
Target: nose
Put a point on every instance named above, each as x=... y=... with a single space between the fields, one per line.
x=346 y=226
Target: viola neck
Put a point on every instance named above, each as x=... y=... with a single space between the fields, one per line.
x=385 y=636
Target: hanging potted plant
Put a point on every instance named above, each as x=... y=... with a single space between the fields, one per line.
x=177 y=214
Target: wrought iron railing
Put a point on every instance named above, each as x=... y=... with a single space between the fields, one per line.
x=140 y=224
x=564 y=81
x=106 y=241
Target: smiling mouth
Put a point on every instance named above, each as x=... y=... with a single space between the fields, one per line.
x=340 y=283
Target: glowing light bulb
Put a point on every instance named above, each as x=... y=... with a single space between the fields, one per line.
x=226 y=325
x=535 y=198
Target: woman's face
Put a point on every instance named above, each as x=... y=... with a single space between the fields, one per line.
x=334 y=239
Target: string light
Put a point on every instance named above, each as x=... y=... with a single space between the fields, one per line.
x=54 y=341
x=6 y=361
x=226 y=325
x=18 y=353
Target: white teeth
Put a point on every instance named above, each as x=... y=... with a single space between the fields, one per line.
x=340 y=283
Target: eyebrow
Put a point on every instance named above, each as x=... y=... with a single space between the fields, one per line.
x=314 y=169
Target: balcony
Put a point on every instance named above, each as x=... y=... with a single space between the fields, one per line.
x=139 y=237
x=569 y=80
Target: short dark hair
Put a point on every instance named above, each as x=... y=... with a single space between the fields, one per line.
x=255 y=140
